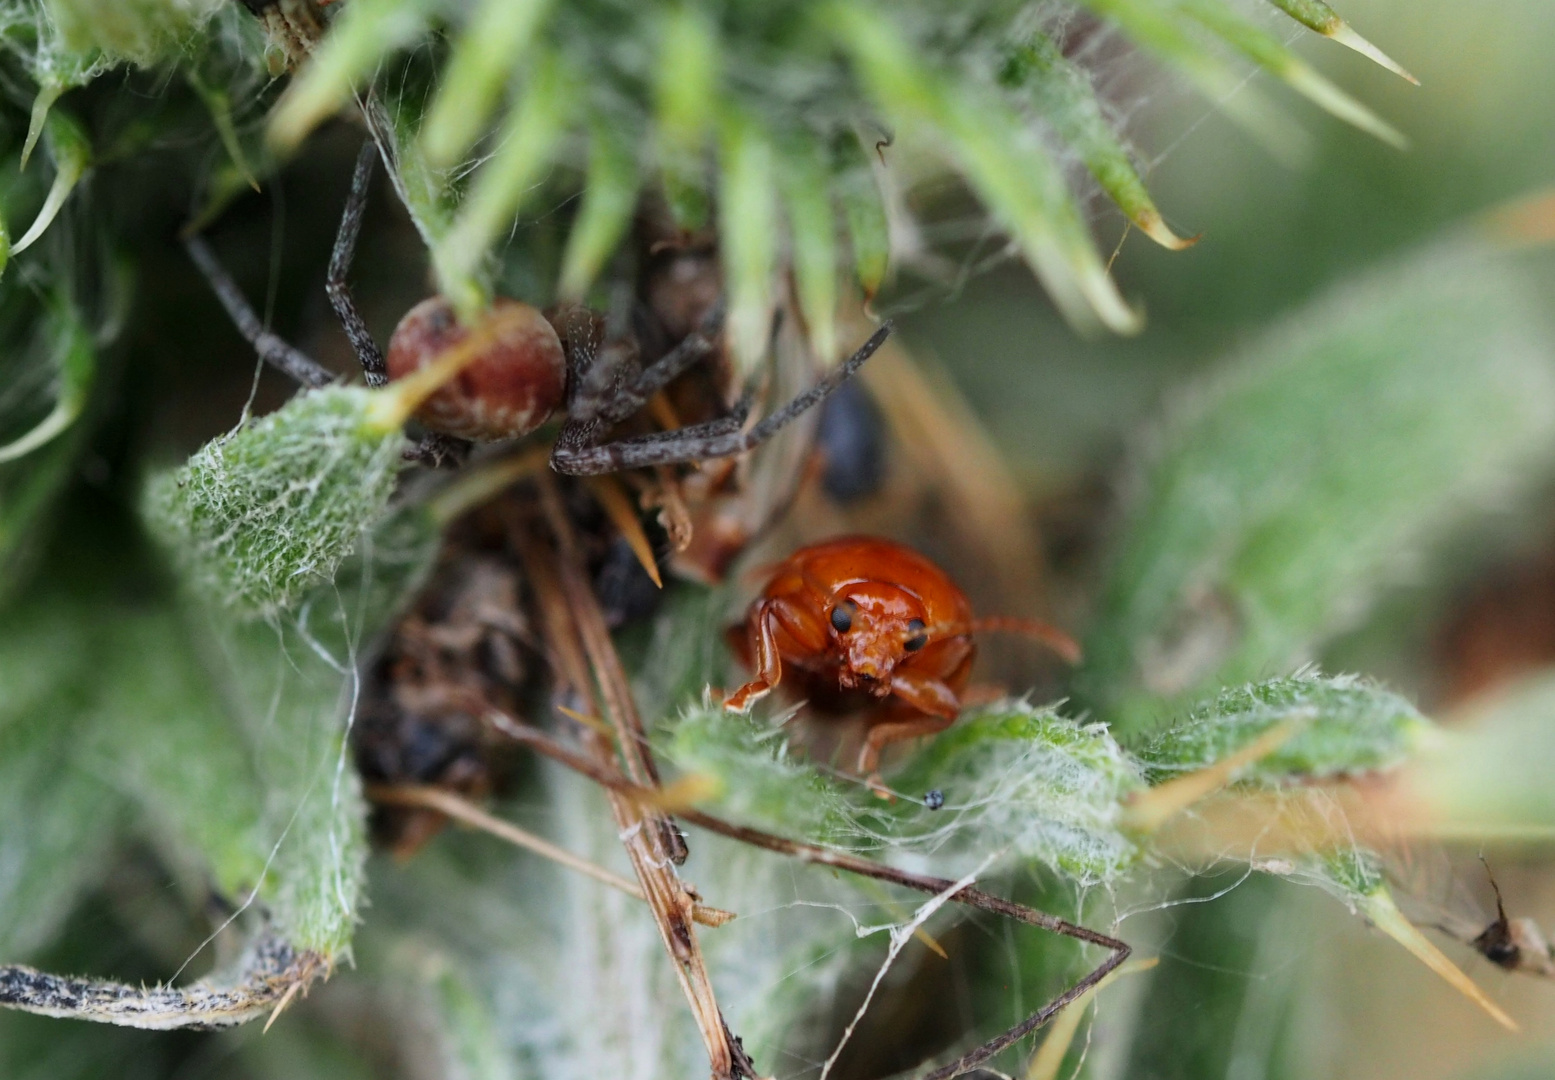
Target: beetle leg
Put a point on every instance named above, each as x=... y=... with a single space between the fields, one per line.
x=768 y=663
x=935 y=707
x=926 y=695
x=884 y=734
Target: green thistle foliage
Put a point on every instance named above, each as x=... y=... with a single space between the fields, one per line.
x=140 y=32
x=1344 y=726
x=1030 y=782
x=759 y=123
x=56 y=360
x=691 y=99
x=705 y=94
x=219 y=742
x=259 y=517
x=1035 y=785
x=1016 y=779
x=45 y=667
x=1290 y=486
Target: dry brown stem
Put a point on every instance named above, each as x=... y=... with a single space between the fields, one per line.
x=588 y=666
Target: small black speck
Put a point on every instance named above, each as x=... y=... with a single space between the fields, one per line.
x=934 y=799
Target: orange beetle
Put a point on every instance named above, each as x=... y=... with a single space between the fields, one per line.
x=863 y=620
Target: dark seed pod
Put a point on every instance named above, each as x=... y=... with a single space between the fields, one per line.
x=510 y=390
x=626 y=593
x=851 y=439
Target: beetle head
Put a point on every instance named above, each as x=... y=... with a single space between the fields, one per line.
x=874 y=627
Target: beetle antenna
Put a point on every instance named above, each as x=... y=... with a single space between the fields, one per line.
x=1051 y=636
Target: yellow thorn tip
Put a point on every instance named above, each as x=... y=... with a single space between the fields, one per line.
x=1151 y=809
x=1347 y=37
x=1384 y=914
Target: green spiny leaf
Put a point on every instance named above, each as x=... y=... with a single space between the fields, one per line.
x=747 y=211
x=1063 y=93
x=609 y=199
x=55 y=352
x=260 y=516
x=863 y=204
x=1158 y=28
x=426 y=192
x=493 y=44
x=1316 y=15
x=356 y=43
x=143 y=32
x=685 y=94
x=219 y=102
x=162 y=735
x=1267 y=52
x=1025 y=779
x=71 y=152
x=1287 y=489
x=1346 y=726
x=1012 y=174
x=812 y=226
x=1016 y=779
x=48 y=650
x=522 y=158
x=73 y=354
x=1021 y=184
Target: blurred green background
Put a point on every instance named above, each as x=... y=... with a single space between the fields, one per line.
x=1306 y=989
x=1273 y=235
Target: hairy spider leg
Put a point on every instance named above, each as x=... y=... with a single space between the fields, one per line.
x=699 y=443
x=435 y=448
x=336 y=284
x=693 y=347
x=596 y=374
x=600 y=393
x=274 y=351
x=969 y=896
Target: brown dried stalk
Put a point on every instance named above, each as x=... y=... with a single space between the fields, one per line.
x=587 y=664
x=612 y=779
x=459 y=808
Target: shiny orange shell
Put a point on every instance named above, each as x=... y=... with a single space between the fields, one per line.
x=892 y=596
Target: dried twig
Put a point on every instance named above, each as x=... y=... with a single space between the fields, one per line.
x=587 y=662
x=461 y=809
x=855 y=864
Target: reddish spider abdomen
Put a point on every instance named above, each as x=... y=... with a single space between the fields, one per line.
x=510 y=390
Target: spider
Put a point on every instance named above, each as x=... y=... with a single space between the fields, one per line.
x=538 y=365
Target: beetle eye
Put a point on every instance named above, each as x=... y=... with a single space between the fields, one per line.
x=919 y=639
x=841 y=619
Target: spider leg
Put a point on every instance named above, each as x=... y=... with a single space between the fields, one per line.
x=693 y=347
x=362 y=343
x=840 y=860
x=699 y=443
x=596 y=387
x=999 y=1043
x=576 y=454
x=270 y=347
x=439 y=451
